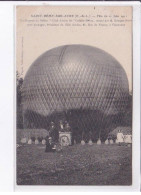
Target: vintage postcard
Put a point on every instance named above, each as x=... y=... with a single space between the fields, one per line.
x=74 y=95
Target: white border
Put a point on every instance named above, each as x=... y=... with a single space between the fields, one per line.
x=6 y=97
x=7 y=114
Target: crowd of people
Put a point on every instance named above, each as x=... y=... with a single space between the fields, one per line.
x=127 y=138
x=121 y=139
x=52 y=139
x=53 y=136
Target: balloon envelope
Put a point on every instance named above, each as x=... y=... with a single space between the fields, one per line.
x=81 y=84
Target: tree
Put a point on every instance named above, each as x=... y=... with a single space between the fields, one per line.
x=19 y=84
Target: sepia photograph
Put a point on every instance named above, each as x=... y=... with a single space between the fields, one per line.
x=74 y=88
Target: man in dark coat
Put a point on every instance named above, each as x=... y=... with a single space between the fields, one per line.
x=53 y=132
x=48 y=145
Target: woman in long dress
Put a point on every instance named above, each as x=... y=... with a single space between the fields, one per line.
x=120 y=137
x=48 y=144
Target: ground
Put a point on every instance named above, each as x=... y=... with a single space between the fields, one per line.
x=75 y=165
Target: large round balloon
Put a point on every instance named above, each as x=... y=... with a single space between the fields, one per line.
x=81 y=84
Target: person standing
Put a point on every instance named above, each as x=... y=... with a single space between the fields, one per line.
x=53 y=132
x=47 y=144
x=61 y=126
x=67 y=127
x=120 y=137
x=128 y=138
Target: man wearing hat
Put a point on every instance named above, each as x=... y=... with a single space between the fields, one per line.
x=61 y=126
x=67 y=126
x=52 y=131
x=49 y=144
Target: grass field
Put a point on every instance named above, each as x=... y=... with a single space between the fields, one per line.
x=75 y=165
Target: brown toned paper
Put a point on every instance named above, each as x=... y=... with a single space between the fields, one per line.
x=74 y=95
